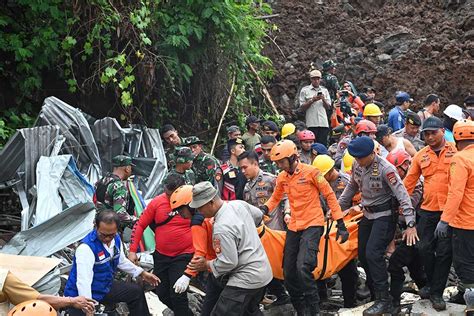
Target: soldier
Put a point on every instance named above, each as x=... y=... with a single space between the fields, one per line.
x=302 y=183
x=270 y=128
x=172 y=139
x=432 y=162
x=382 y=193
x=205 y=166
x=233 y=132
x=458 y=211
x=231 y=185
x=183 y=164
x=411 y=131
x=306 y=139
x=266 y=164
x=329 y=79
x=111 y=192
x=258 y=189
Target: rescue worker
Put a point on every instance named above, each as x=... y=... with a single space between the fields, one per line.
x=233 y=132
x=172 y=140
x=258 y=189
x=266 y=164
x=318 y=149
x=205 y=166
x=270 y=128
x=183 y=163
x=338 y=182
x=302 y=183
x=251 y=137
x=403 y=255
x=95 y=263
x=382 y=193
x=389 y=142
x=287 y=130
x=432 y=162
x=372 y=113
x=201 y=230
x=411 y=131
x=396 y=116
x=314 y=100
x=431 y=106
x=231 y=185
x=458 y=210
x=329 y=79
x=241 y=263
x=173 y=245
x=452 y=114
x=111 y=192
x=306 y=139
x=14 y=291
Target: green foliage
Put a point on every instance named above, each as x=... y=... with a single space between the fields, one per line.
x=10 y=121
x=140 y=50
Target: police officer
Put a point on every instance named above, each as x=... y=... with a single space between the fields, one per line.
x=382 y=192
x=301 y=183
x=458 y=211
x=205 y=166
x=257 y=191
x=241 y=262
x=231 y=184
x=432 y=162
x=266 y=164
x=183 y=164
x=411 y=131
x=111 y=192
x=270 y=128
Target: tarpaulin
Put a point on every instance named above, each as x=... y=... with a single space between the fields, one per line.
x=337 y=254
x=110 y=140
x=43 y=240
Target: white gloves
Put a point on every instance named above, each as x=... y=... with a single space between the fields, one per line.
x=181 y=284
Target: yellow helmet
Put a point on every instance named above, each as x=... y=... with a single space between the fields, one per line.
x=347 y=160
x=287 y=129
x=372 y=110
x=323 y=163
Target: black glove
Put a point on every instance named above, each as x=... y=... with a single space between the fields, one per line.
x=264 y=209
x=342 y=231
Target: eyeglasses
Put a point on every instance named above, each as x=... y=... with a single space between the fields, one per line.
x=106 y=236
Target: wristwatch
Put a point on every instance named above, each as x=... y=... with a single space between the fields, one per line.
x=411 y=224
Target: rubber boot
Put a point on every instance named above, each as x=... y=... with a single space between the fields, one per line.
x=382 y=304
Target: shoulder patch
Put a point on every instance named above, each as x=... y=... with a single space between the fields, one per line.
x=452 y=167
x=319 y=178
x=216 y=244
x=391 y=178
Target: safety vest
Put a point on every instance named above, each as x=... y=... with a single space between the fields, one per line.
x=104 y=269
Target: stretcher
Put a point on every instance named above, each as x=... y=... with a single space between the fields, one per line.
x=332 y=256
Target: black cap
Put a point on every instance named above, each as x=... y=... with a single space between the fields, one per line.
x=270 y=126
x=413 y=118
x=382 y=130
x=432 y=123
x=251 y=119
x=469 y=100
x=233 y=142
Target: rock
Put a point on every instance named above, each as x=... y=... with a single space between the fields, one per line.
x=282 y=310
x=469 y=35
x=288 y=64
x=385 y=58
x=285 y=100
x=423 y=307
x=292 y=56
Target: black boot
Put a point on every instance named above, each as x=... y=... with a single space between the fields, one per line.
x=382 y=304
x=300 y=309
x=438 y=302
x=458 y=298
x=312 y=310
x=396 y=308
x=424 y=292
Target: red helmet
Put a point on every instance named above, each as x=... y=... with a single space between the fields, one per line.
x=398 y=157
x=306 y=135
x=365 y=126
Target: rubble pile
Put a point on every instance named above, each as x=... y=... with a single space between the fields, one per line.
x=416 y=46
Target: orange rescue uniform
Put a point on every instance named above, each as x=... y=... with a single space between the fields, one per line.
x=303 y=188
x=459 y=209
x=434 y=169
x=202 y=242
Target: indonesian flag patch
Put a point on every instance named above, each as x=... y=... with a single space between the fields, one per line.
x=101 y=255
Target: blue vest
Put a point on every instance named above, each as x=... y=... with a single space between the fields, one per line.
x=105 y=267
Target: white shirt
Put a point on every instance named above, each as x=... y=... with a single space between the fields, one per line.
x=85 y=260
x=316 y=113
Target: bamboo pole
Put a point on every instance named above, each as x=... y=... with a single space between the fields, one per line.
x=223 y=114
x=264 y=88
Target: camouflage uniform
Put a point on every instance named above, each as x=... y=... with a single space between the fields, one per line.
x=331 y=83
x=184 y=155
x=188 y=176
x=205 y=166
x=257 y=192
x=170 y=154
x=268 y=166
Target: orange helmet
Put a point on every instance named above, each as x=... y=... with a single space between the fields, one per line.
x=365 y=126
x=181 y=196
x=463 y=130
x=33 y=308
x=283 y=149
x=398 y=157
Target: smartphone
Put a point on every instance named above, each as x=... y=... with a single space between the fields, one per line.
x=320 y=93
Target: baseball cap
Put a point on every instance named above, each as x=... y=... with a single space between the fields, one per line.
x=382 y=131
x=192 y=140
x=233 y=129
x=315 y=73
x=432 y=123
x=184 y=154
x=251 y=119
x=403 y=97
x=122 y=161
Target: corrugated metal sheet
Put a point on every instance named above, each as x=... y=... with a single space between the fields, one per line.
x=12 y=157
x=110 y=140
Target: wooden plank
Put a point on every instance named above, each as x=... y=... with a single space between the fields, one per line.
x=27 y=268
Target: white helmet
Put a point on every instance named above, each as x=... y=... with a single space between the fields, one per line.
x=454 y=111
